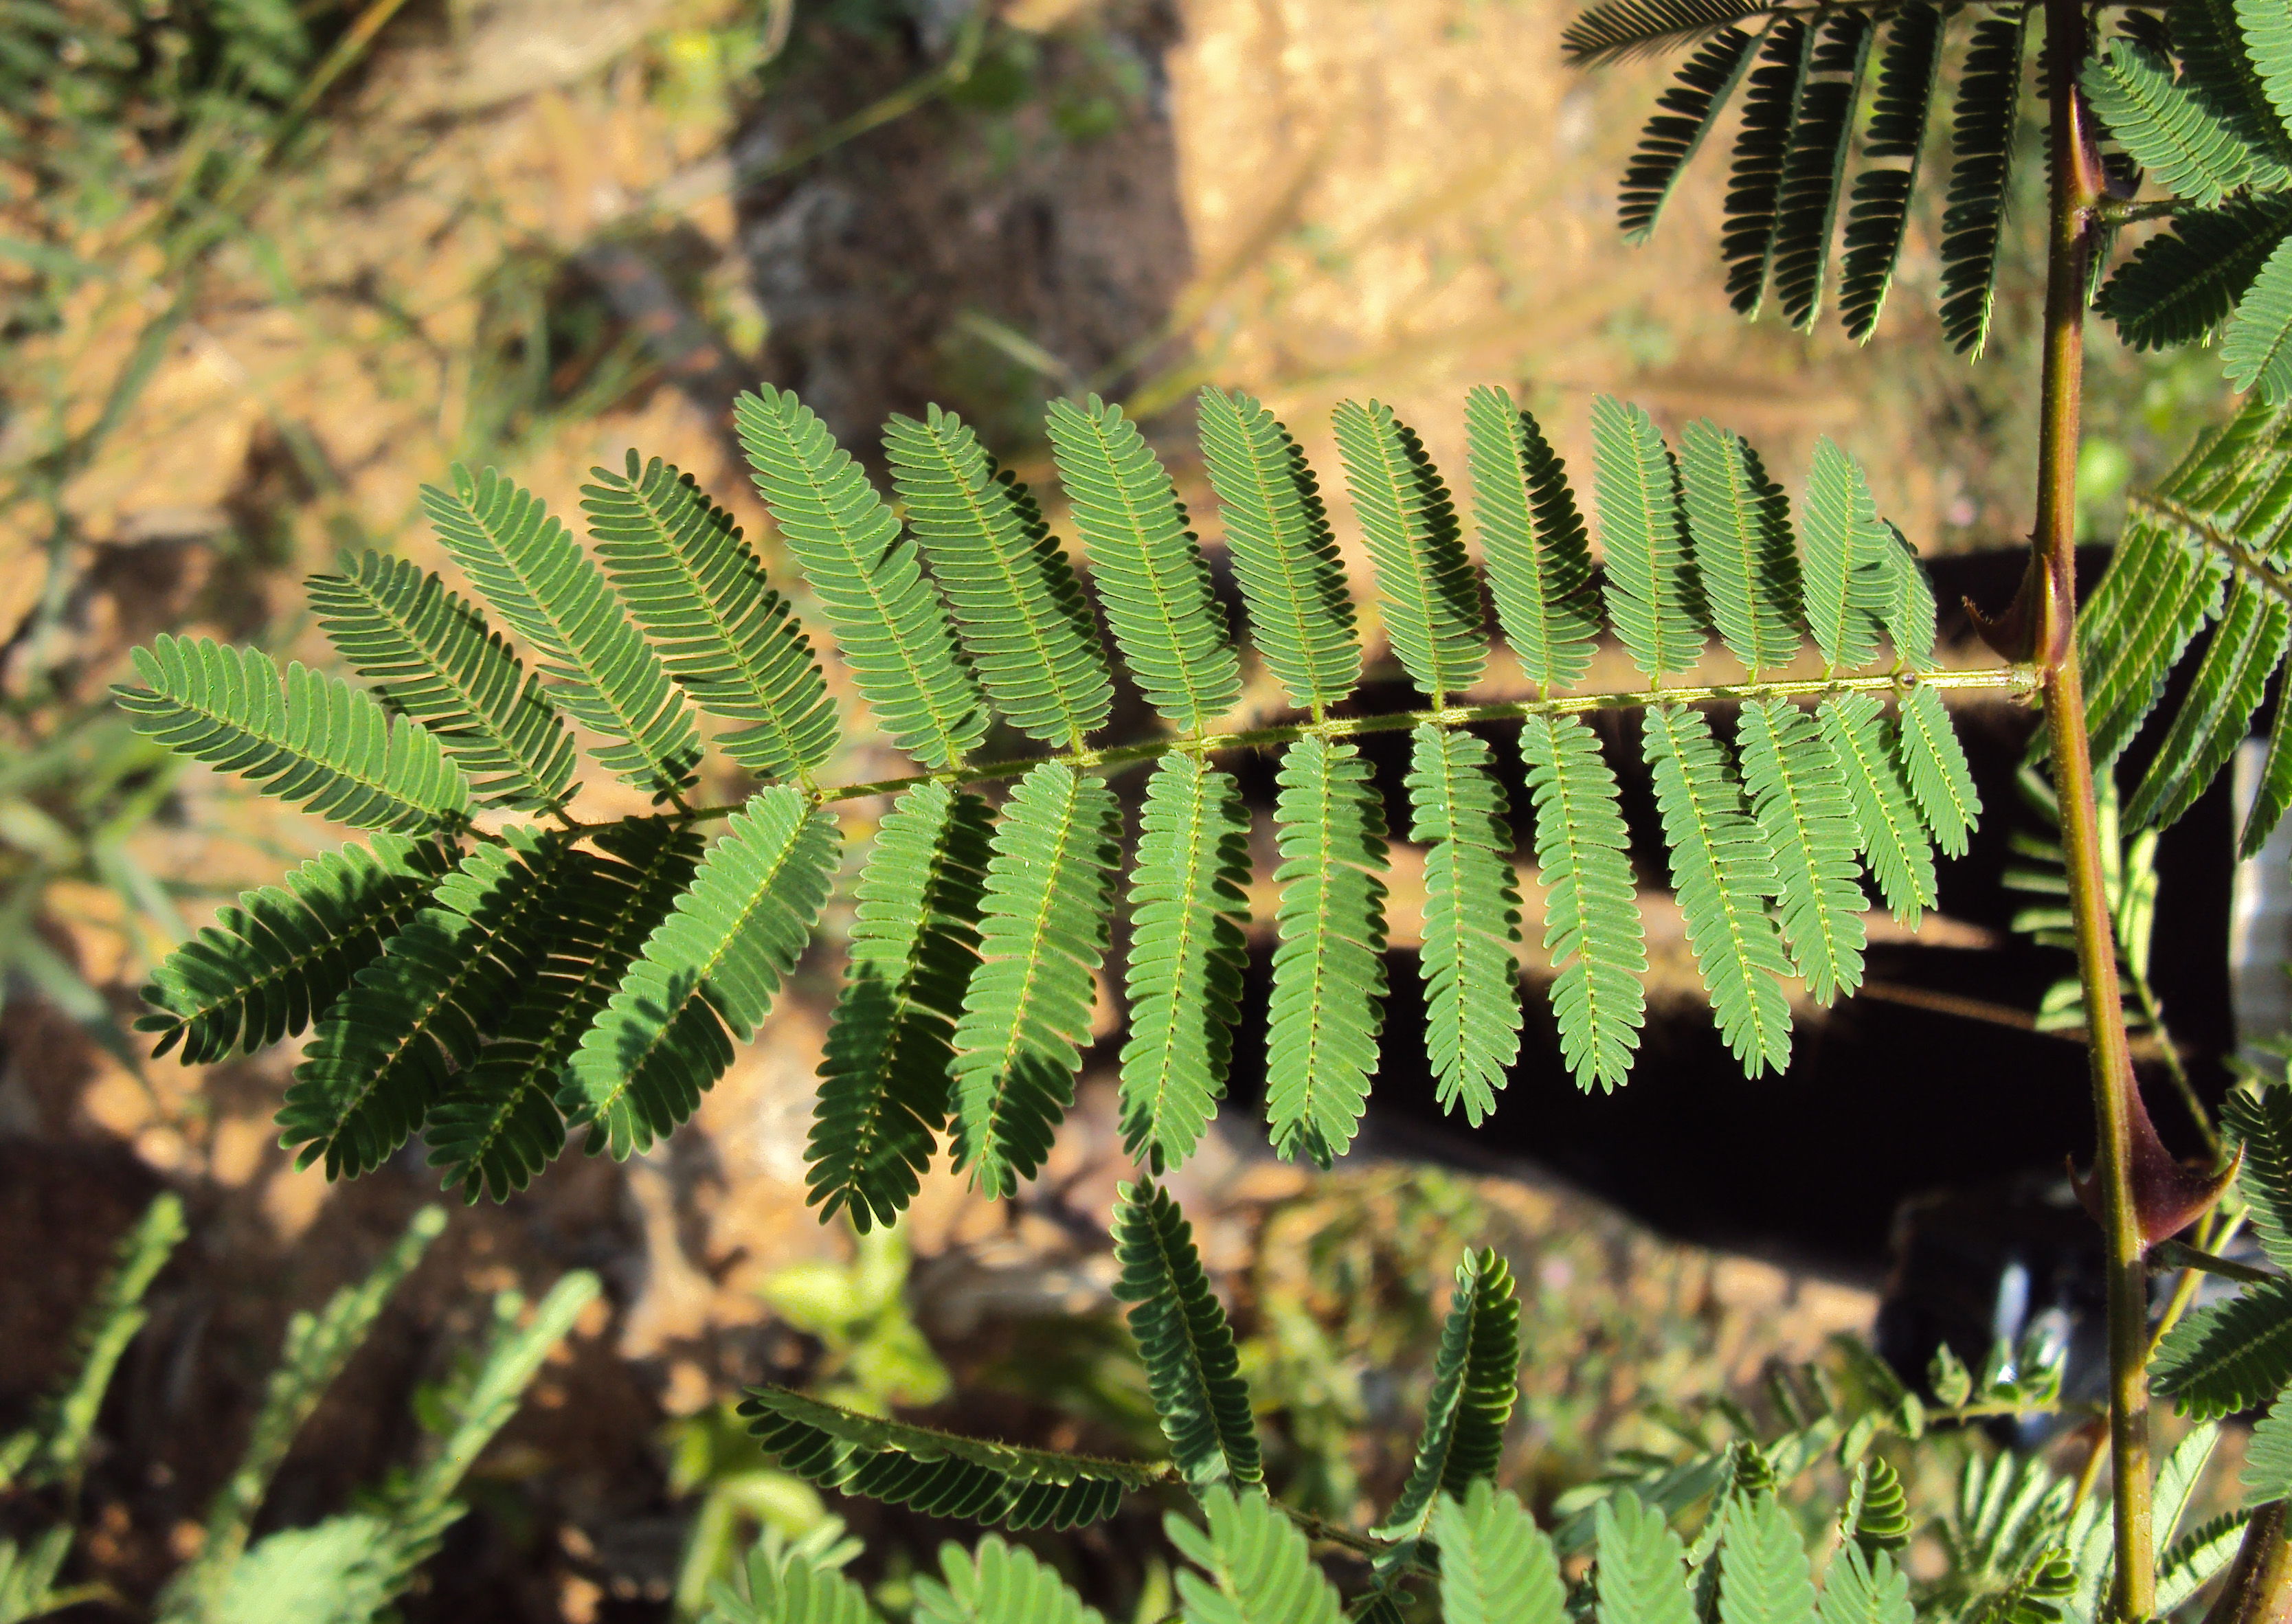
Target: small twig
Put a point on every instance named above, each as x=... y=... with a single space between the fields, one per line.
x=2179 y=1255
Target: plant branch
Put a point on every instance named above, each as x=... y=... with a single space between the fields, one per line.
x=2077 y=186
x=1999 y=679
x=2176 y=1255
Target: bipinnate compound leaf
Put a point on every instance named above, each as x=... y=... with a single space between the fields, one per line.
x=882 y=1094
x=1724 y=872
x=1619 y=30
x=1592 y=925
x=2229 y=1356
x=1798 y=798
x=1744 y=554
x=867 y=578
x=1042 y=933
x=1030 y=632
x=2268 y=1457
x=1763 y=1576
x=1652 y=591
x=699 y=591
x=707 y=976
x=1430 y=596
x=1188 y=903
x=386 y=1050
x=498 y=1124
x=939 y=1474
x=1847 y=569
x=1183 y=1336
x=1864 y=1588
x=2170 y=134
x=1894 y=843
x=1146 y=564
x=268 y=967
x=1497 y=1566
x=2222 y=70
x=1471 y=919
x=1285 y=557
x=2231 y=680
x=318 y=742
x=1685 y=117
x=1640 y=1572
x=1255 y=1566
x=1475 y=1383
x=1814 y=168
x=2197 y=1556
x=593 y=663
x=998 y=1583
x=2182 y=285
x=1754 y=175
x=790 y=1587
x=1328 y=968
x=1539 y=559
x=431 y=657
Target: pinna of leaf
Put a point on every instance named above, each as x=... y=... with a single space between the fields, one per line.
x=493 y=987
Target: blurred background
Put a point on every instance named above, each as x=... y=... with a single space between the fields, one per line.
x=266 y=266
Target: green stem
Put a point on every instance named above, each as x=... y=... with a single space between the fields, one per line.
x=2003 y=679
x=2076 y=188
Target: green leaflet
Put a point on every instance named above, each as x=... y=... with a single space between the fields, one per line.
x=940 y=1475
x=1475 y=1382
x=2182 y=285
x=1940 y=783
x=1651 y=591
x=594 y=663
x=1591 y=916
x=1640 y=1569
x=2169 y=132
x=2257 y=351
x=2193 y=1561
x=1430 y=597
x=2274 y=794
x=1617 y=30
x=433 y=659
x=498 y=1124
x=1329 y=971
x=1724 y=873
x=1042 y=933
x=699 y=592
x=1285 y=557
x=2229 y=685
x=1862 y=1587
x=1156 y=590
x=867 y=578
x=1982 y=140
x=1903 y=599
x=1686 y=114
x=1188 y=903
x=1532 y=538
x=1747 y=245
x=915 y=944
x=384 y=1052
x=2177 y=1481
x=1744 y=555
x=998 y=1584
x=1183 y=1336
x=2268 y=1457
x=1497 y=1566
x=2261 y=1122
x=322 y=745
x=1894 y=843
x=1259 y=1568
x=1472 y=918
x=1881 y=1519
x=1881 y=205
x=707 y=976
x=1798 y=796
x=265 y=969
x=1023 y=614
x=1849 y=571
x=2229 y=1356
x=1814 y=168
x=1764 y=1578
